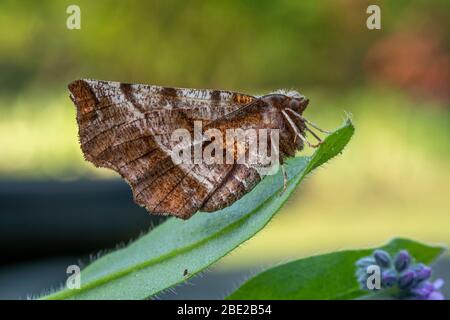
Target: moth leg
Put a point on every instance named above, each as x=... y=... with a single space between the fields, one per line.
x=285 y=178
x=292 y=124
x=314 y=135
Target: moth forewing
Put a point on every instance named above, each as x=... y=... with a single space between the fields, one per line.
x=185 y=150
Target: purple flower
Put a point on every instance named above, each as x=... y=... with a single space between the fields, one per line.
x=382 y=258
x=408 y=280
x=365 y=262
x=422 y=272
x=429 y=290
x=388 y=278
x=402 y=261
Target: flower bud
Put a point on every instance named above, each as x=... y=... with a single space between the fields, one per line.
x=365 y=262
x=382 y=258
x=388 y=278
x=402 y=261
x=423 y=291
x=422 y=272
x=362 y=280
x=406 y=280
x=436 y=295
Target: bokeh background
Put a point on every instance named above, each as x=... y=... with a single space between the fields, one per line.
x=392 y=180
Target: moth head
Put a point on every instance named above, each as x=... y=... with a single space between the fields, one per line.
x=283 y=99
x=298 y=104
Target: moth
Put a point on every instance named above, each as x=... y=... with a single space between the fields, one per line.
x=129 y=128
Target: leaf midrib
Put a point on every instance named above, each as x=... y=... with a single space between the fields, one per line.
x=121 y=273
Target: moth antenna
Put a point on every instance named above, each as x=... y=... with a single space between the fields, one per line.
x=308 y=122
x=298 y=133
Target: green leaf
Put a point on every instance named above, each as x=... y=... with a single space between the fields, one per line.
x=159 y=259
x=328 y=276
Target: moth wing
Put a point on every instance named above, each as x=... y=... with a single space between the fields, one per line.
x=128 y=127
x=242 y=178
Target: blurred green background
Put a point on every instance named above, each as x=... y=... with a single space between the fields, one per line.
x=393 y=178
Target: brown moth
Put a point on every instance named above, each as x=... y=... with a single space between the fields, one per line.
x=129 y=128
